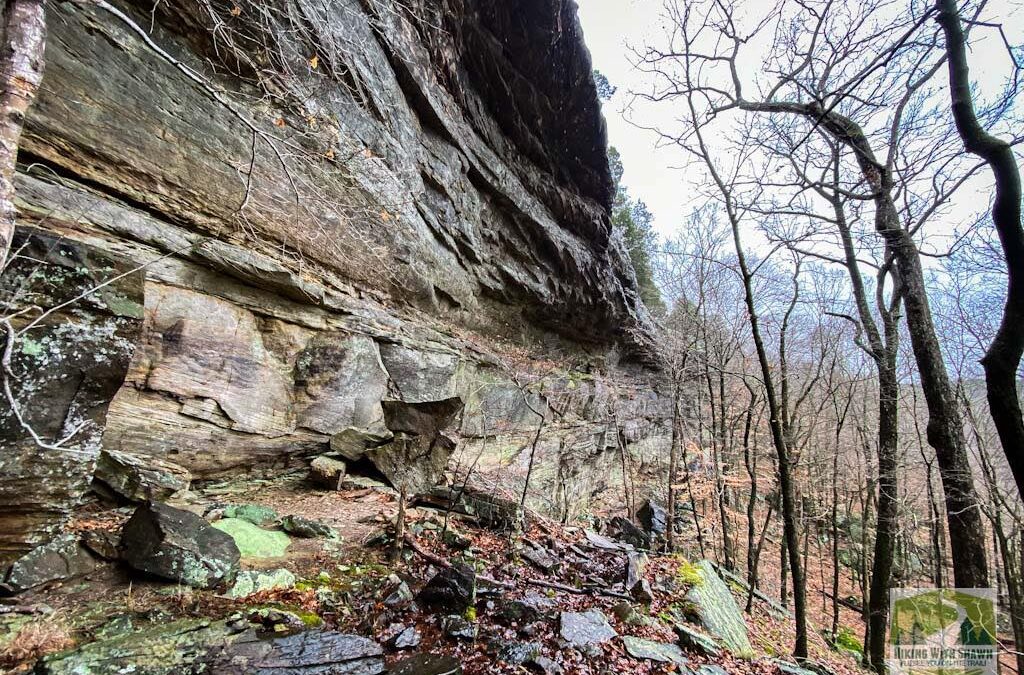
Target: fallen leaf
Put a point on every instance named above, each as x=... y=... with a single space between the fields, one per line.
x=314 y=62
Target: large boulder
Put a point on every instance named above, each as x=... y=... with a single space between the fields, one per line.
x=718 y=612
x=179 y=546
x=415 y=459
x=140 y=478
x=62 y=558
x=653 y=518
x=68 y=367
x=451 y=590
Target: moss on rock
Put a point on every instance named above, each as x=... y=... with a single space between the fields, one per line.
x=253 y=541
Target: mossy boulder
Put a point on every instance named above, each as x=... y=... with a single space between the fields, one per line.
x=718 y=612
x=253 y=541
x=179 y=546
x=257 y=514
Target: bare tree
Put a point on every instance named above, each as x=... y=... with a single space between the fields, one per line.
x=1002 y=360
x=829 y=66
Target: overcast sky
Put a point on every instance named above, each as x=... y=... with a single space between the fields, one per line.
x=652 y=173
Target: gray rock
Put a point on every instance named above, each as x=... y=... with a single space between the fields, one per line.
x=517 y=653
x=640 y=648
x=315 y=652
x=636 y=566
x=653 y=518
x=711 y=670
x=450 y=590
x=579 y=629
x=605 y=544
x=254 y=581
x=545 y=666
x=166 y=649
x=641 y=592
x=692 y=640
x=519 y=612
x=179 y=546
x=538 y=556
x=459 y=627
x=788 y=668
x=352 y=443
x=406 y=638
x=62 y=558
x=102 y=543
x=140 y=478
x=308 y=529
x=718 y=612
x=327 y=472
x=427 y=664
x=627 y=531
x=402 y=595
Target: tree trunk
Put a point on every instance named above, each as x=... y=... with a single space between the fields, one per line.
x=21 y=68
x=885 y=531
x=1002 y=360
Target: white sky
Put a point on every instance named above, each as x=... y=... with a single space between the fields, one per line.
x=652 y=173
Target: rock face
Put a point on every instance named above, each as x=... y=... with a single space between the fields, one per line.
x=428 y=184
x=69 y=363
x=179 y=546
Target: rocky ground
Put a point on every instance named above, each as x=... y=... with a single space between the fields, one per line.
x=277 y=577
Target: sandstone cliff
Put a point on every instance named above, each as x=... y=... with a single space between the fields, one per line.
x=326 y=206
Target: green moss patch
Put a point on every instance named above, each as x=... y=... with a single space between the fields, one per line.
x=253 y=541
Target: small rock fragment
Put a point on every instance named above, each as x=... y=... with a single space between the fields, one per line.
x=458 y=627
x=308 y=529
x=427 y=664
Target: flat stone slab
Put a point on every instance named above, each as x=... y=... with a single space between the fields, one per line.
x=586 y=628
x=639 y=648
x=427 y=664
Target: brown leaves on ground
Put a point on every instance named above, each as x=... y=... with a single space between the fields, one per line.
x=37 y=638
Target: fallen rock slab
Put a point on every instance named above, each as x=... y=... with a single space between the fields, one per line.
x=663 y=652
x=580 y=629
x=696 y=641
x=316 y=652
x=307 y=529
x=255 y=581
x=718 y=612
x=62 y=558
x=140 y=478
x=179 y=546
x=427 y=664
